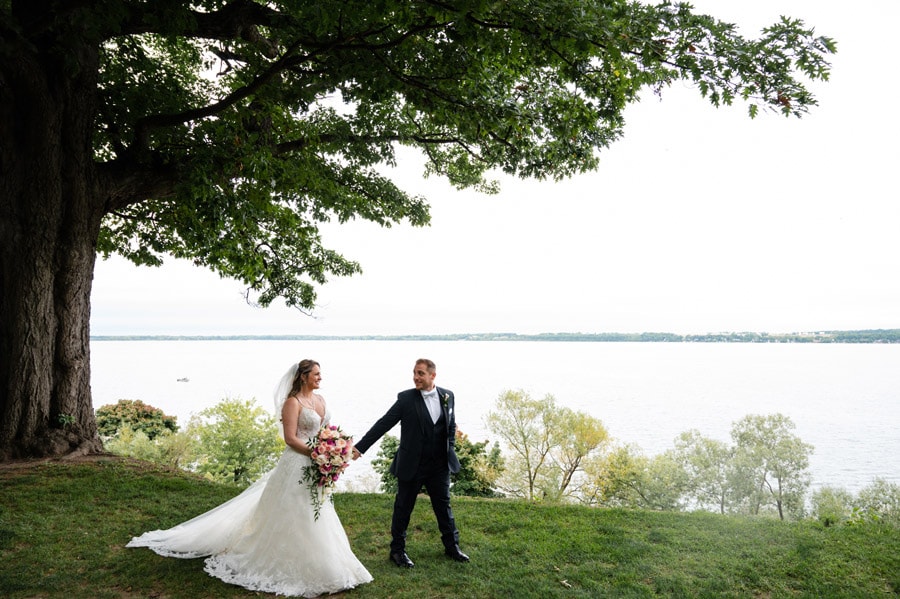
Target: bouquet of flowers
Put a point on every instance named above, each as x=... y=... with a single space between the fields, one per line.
x=331 y=452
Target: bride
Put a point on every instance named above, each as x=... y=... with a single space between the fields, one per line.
x=268 y=538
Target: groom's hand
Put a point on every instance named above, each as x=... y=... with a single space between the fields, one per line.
x=356 y=454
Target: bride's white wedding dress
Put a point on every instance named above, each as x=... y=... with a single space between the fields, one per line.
x=267 y=538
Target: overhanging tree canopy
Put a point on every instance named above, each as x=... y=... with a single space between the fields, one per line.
x=224 y=132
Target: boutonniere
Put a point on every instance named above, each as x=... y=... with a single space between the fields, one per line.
x=445 y=399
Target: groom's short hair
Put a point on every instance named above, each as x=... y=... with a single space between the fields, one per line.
x=428 y=364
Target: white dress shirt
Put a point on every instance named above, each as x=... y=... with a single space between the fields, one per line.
x=431 y=402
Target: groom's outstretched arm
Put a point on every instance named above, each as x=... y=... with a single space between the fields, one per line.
x=382 y=426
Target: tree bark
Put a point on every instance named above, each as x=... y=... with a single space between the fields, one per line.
x=50 y=212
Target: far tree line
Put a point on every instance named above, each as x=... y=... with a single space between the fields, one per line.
x=860 y=336
x=549 y=453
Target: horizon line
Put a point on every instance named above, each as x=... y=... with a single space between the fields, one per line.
x=821 y=335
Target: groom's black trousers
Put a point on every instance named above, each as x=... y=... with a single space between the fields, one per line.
x=437 y=483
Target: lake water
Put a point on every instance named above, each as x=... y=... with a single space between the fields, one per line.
x=843 y=398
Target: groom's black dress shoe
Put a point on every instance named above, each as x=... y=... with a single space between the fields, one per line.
x=401 y=559
x=455 y=553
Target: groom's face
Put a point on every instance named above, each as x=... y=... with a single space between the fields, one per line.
x=423 y=379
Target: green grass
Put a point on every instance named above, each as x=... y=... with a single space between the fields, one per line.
x=63 y=527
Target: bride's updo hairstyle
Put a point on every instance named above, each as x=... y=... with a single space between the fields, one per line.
x=304 y=368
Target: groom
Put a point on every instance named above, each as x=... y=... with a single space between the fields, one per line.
x=426 y=457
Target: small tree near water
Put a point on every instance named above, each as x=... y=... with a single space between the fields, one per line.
x=770 y=466
x=625 y=477
x=707 y=465
x=237 y=441
x=524 y=424
x=549 y=445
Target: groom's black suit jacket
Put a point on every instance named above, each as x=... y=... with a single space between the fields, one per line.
x=410 y=411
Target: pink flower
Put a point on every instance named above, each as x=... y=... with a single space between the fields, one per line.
x=330 y=457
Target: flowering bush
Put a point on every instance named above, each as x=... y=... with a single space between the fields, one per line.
x=331 y=452
x=136 y=415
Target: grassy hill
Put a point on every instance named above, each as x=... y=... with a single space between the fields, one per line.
x=63 y=527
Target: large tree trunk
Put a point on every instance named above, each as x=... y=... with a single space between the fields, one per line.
x=50 y=213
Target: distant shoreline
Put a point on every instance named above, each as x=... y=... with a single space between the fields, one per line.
x=862 y=336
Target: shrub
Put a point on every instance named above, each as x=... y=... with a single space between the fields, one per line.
x=831 y=505
x=137 y=416
x=476 y=477
x=479 y=469
x=381 y=463
x=176 y=450
x=878 y=502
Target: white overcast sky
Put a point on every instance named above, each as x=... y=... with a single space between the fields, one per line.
x=698 y=220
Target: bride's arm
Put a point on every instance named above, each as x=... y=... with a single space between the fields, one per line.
x=290 y=414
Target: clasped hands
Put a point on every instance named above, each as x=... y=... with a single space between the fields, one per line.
x=356 y=453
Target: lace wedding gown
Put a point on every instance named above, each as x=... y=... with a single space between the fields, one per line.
x=267 y=538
